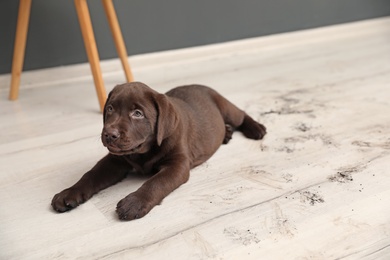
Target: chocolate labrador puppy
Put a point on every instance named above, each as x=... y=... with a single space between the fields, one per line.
x=157 y=134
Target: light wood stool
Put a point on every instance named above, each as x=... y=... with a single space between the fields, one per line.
x=89 y=41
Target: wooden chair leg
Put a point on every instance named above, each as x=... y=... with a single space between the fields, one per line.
x=118 y=38
x=19 y=47
x=91 y=49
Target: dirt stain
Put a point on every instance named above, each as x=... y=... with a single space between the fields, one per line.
x=256 y=174
x=311 y=197
x=244 y=237
x=341 y=177
x=281 y=225
x=344 y=174
x=302 y=127
x=383 y=145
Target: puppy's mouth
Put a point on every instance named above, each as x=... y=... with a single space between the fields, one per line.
x=123 y=151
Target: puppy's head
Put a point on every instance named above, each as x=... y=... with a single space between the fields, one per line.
x=135 y=118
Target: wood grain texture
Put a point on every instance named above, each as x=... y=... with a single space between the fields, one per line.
x=317 y=186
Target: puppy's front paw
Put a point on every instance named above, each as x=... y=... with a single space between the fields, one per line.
x=132 y=207
x=68 y=199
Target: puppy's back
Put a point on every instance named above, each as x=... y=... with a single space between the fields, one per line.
x=194 y=95
x=202 y=120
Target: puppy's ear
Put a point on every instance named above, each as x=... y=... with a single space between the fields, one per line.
x=167 y=118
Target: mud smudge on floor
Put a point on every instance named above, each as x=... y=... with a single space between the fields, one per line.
x=287 y=111
x=311 y=197
x=285 y=149
x=302 y=127
x=341 y=177
x=245 y=237
x=281 y=225
x=344 y=174
x=258 y=175
x=287 y=177
x=364 y=144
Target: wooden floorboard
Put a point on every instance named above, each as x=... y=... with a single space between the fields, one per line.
x=317 y=186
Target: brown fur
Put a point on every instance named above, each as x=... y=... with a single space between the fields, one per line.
x=163 y=135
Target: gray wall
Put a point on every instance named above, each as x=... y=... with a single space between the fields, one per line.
x=54 y=36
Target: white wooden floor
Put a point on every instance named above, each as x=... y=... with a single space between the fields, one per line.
x=317 y=187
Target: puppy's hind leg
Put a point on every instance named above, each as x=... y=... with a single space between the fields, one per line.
x=236 y=119
x=252 y=129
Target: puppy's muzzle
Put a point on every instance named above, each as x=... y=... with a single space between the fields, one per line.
x=111 y=135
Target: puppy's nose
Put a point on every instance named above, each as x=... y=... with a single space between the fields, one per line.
x=111 y=135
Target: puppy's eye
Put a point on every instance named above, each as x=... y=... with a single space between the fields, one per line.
x=109 y=109
x=137 y=114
